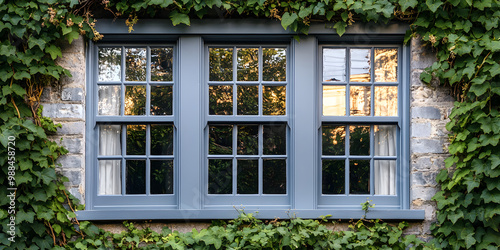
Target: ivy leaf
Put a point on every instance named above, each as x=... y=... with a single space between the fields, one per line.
x=7 y=50
x=340 y=27
x=54 y=51
x=495 y=161
x=433 y=5
x=47 y=175
x=72 y=36
x=32 y=42
x=482 y=4
x=178 y=18
x=287 y=19
x=21 y=216
x=21 y=75
x=18 y=90
x=305 y=11
x=405 y=4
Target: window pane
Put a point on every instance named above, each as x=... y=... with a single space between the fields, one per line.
x=333 y=140
x=333 y=100
x=333 y=177
x=360 y=97
x=136 y=177
x=274 y=176
x=221 y=100
x=248 y=64
x=162 y=64
x=220 y=176
x=162 y=177
x=274 y=100
x=360 y=65
x=386 y=65
x=136 y=139
x=248 y=140
x=385 y=140
x=386 y=100
x=110 y=140
x=135 y=100
x=110 y=177
x=385 y=177
x=274 y=139
x=110 y=64
x=334 y=65
x=162 y=139
x=109 y=100
x=359 y=140
x=359 y=176
x=161 y=100
x=274 y=64
x=248 y=176
x=248 y=100
x=220 y=140
x=135 y=64
x=221 y=64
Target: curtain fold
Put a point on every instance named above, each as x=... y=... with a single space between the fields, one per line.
x=110 y=170
x=385 y=170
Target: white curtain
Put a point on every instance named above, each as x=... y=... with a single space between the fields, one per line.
x=385 y=170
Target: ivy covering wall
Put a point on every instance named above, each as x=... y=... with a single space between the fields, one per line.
x=464 y=34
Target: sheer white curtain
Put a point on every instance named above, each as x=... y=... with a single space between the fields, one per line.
x=385 y=170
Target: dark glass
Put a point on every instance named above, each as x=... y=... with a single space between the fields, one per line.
x=220 y=140
x=359 y=140
x=360 y=65
x=359 y=177
x=161 y=100
x=248 y=139
x=248 y=100
x=221 y=100
x=274 y=139
x=360 y=100
x=110 y=64
x=333 y=177
x=333 y=140
x=248 y=64
x=386 y=65
x=274 y=68
x=274 y=100
x=248 y=176
x=221 y=64
x=162 y=139
x=162 y=64
x=162 y=177
x=220 y=176
x=136 y=139
x=135 y=100
x=135 y=64
x=135 y=177
x=274 y=176
x=334 y=65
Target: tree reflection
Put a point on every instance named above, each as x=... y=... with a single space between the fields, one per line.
x=135 y=64
x=220 y=64
x=274 y=68
x=109 y=64
x=333 y=140
x=135 y=100
x=161 y=64
x=220 y=100
x=248 y=64
x=274 y=100
x=161 y=100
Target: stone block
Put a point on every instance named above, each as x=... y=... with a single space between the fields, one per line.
x=70 y=161
x=415 y=78
x=73 y=145
x=422 y=163
x=426 y=113
x=424 y=193
x=76 y=192
x=71 y=128
x=426 y=146
x=72 y=94
x=421 y=130
x=75 y=177
x=421 y=56
x=423 y=178
x=76 y=80
x=58 y=110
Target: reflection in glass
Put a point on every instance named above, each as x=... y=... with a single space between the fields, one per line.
x=274 y=139
x=110 y=177
x=161 y=64
x=109 y=100
x=221 y=64
x=161 y=100
x=248 y=139
x=162 y=139
x=359 y=177
x=110 y=64
x=135 y=177
x=386 y=65
x=248 y=100
x=162 y=177
x=274 y=176
x=360 y=65
x=360 y=98
x=136 y=139
x=110 y=140
x=385 y=177
x=333 y=100
x=386 y=100
x=359 y=138
x=220 y=176
x=135 y=64
x=274 y=68
x=220 y=140
x=248 y=64
x=248 y=177
x=333 y=140
x=135 y=100
x=274 y=100
x=333 y=177
x=385 y=140
x=334 y=65
x=221 y=100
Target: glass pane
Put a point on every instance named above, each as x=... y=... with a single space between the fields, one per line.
x=110 y=177
x=135 y=64
x=386 y=65
x=220 y=176
x=359 y=140
x=248 y=139
x=161 y=100
x=360 y=97
x=248 y=64
x=333 y=100
x=385 y=177
x=109 y=100
x=274 y=100
x=274 y=176
x=110 y=64
x=386 y=100
x=221 y=64
x=274 y=64
x=162 y=64
x=248 y=176
x=248 y=100
x=162 y=139
x=162 y=177
x=385 y=140
x=136 y=139
x=220 y=140
x=135 y=100
x=110 y=140
x=333 y=177
x=274 y=139
x=359 y=177
x=135 y=177
x=333 y=140
x=334 y=65
x=360 y=65
x=221 y=100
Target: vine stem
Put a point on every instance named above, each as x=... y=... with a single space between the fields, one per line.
x=52 y=233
